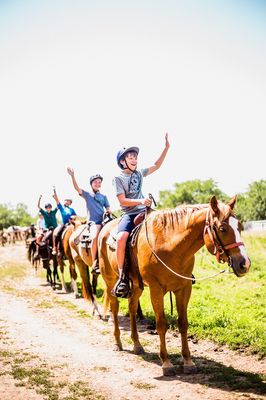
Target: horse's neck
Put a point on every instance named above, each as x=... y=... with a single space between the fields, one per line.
x=187 y=238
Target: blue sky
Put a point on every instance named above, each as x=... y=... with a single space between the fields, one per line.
x=81 y=79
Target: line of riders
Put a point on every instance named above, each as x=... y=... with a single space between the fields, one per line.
x=128 y=187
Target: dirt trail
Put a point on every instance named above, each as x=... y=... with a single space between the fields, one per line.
x=44 y=332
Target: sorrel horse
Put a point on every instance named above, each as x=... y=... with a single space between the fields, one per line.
x=65 y=252
x=82 y=258
x=163 y=257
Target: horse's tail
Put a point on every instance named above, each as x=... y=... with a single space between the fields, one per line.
x=86 y=285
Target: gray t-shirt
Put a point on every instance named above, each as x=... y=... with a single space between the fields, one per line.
x=95 y=202
x=130 y=185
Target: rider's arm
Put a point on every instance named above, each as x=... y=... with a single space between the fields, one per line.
x=56 y=197
x=76 y=186
x=160 y=160
x=125 y=202
x=39 y=202
x=107 y=205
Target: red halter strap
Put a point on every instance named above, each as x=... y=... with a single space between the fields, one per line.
x=233 y=245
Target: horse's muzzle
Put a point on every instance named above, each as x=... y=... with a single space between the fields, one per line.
x=239 y=265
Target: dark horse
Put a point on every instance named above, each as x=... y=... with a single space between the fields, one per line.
x=32 y=252
x=44 y=250
x=163 y=257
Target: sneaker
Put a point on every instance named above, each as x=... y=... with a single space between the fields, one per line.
x=54 y=252
x=122 y=288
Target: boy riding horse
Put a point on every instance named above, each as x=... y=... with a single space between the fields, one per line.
x=96 y=203
x=128 y=187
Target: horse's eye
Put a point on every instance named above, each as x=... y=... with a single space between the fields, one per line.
x=222 y=229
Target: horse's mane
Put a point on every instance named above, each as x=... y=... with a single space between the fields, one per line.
x=180 y=216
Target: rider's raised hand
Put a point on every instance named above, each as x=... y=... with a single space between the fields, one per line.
x=167 y=144
x=70 y=171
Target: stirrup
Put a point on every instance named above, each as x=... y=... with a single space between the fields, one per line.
x=122 y=288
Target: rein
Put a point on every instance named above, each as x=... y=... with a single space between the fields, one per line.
x=167 y=267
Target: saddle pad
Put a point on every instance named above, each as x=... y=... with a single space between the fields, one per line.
x=87 y=234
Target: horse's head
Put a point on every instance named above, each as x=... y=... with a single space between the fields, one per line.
x=222 y=236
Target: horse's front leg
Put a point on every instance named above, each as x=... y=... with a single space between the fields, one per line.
x=62 y=267
x=55 y=272
x=114 y=306
x=94 y=283
x=74 y=276
x=182 y=299
x=133 y=303
x=157 y=299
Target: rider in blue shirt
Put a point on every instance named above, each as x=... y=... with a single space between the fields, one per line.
x=97 y=204
x=67 y=213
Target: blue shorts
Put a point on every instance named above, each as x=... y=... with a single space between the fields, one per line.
x=98 y=222
x=126 y=224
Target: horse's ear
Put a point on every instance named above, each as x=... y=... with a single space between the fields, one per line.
x=214 y=204
x=232 y=202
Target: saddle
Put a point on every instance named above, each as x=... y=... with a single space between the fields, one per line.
x=86 y=235
x=111 y=240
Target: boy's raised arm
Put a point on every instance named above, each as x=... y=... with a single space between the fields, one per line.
x=39 y=202
x=72 y=174
x=160 y=160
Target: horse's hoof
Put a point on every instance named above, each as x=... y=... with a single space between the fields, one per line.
x=138 y=350
x=118 y=347
x=190 y=369
x=53 y=287
x=169 y=371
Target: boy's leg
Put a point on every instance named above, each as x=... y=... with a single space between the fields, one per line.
x=121 y=288
x=121 y=242
x=57 y=233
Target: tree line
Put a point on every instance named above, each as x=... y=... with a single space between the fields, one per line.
x=14 y=215
x=251 y=205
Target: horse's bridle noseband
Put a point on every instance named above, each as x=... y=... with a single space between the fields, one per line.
x=219 y=247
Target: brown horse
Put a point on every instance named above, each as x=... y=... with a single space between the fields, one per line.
x=81 y=256
x=163 y=257
x=66 y=251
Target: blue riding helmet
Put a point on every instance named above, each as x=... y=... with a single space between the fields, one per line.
x=122 y=152
x=97 y=176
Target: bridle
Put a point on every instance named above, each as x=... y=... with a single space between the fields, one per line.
x=220 y=248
